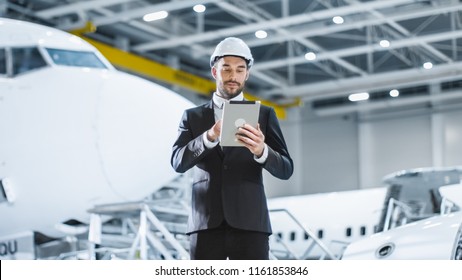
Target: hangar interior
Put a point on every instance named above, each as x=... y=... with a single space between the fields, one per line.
x=402 y=58
x=309 y=57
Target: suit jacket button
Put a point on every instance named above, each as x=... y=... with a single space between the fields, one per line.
x=225 y=167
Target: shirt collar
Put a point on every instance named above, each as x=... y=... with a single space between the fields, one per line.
x=218 y=101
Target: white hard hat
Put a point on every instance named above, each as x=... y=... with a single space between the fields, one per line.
x=234 y=47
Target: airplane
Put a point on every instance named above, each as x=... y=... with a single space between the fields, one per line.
x=340 y=218
x=334 y=218
x=435 y=238
x=75 y=133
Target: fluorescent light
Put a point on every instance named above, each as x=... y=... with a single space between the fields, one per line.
x=384 y=43
x=338 y=20
x=394 y=93
x=310 y=56
x=361 y=96
x=261 y=34
x=199 y=8
x=428 y=65
x=155 y=16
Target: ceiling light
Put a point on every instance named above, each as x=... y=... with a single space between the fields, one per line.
x=261 y=34
x=310 y=56
x=361 y=96
x=428 y=65
x=338 y=20
x=394 y=93
x=384 y=43
x=199 y=8
x=155 y=16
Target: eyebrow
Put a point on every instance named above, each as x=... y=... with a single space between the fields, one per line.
x=239 y=66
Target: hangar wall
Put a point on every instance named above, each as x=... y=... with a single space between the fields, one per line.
x=453 y=138
x=391 y=145
x=329 y=149
x=354 y=151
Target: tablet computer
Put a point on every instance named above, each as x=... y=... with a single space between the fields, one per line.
x=235 y=115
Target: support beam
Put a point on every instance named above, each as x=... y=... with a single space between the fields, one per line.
x=298 y=19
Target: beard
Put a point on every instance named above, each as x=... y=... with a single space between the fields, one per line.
x=229 y=94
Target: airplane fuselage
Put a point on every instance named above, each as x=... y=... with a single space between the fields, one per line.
x=75 y=132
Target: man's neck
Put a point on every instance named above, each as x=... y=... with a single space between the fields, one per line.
x=218 y=100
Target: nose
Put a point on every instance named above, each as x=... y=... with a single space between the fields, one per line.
x=232 y=75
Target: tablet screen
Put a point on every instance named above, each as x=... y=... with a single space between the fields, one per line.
x=235 y=115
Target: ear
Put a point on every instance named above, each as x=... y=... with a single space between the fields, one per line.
x=247 y=75
x=214 y=72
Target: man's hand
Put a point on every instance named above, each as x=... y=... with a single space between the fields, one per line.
x=252 y=138
x=214 y=132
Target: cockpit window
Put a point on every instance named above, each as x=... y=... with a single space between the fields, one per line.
x=75 y=58
x=26 y=59
x=2 y=62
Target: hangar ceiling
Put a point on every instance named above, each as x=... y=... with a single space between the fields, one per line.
x=318 y=51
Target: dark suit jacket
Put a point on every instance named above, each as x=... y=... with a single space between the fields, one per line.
x=228 y=183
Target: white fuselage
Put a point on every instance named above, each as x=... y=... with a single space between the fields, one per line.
x=74 y=137
x=430 y=239
x=340 y=218
x=435 y=238
x=335 y=218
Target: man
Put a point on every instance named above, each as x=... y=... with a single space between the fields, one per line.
x=229 y=218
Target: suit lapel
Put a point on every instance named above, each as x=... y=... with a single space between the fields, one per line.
x=208 y=114
x=209 y=121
